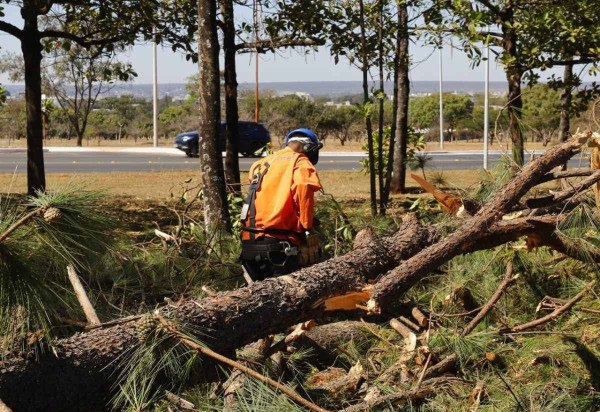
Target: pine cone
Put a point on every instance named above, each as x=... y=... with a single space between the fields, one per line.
x=146 y=325
x=52 y=214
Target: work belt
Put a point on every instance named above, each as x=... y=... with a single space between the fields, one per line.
x=259 y=251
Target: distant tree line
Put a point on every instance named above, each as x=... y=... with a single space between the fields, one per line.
x=130 y=118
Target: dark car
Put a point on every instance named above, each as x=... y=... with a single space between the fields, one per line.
x=253 y=137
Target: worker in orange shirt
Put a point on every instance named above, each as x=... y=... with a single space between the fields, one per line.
x=277 y=216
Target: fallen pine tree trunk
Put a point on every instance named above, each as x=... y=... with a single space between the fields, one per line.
x=78 y=372
x=473 y=229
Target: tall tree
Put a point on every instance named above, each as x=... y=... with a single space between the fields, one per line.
x=364 y=57
x=232 y=164
x=527 y=36
x=565 y=104
x=78 y=77
x=101 y=23
x=382 y=96
x=398 y=177
x=216 y=213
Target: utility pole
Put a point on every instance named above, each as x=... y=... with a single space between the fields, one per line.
x=255 y=17
x=486 y=107
x=441 y=101
x=256 y=99
x=154 y=94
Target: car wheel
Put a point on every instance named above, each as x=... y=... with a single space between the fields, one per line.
x=192 y=153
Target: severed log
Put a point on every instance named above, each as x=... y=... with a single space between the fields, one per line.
x=79 y=372
x=332 y=335
x=412 y=270
x=419 y=316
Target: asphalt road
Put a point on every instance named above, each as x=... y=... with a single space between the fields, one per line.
x=87 y=162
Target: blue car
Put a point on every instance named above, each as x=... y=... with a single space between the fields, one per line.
x=254 y=138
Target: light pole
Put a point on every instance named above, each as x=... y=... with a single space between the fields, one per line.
x=441 y=101
x=486 y=107
x=154 y=94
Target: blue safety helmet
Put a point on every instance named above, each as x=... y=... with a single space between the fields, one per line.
x=310 y=141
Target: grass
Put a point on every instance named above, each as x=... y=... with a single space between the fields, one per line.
x=158 y=185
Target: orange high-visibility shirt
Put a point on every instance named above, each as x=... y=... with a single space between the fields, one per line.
x=285 y=199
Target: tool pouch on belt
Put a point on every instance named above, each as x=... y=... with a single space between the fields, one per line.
x=309 y=251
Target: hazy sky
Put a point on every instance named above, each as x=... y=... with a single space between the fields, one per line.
x=285 y=66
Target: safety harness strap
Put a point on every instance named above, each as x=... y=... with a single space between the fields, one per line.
x=249 y=208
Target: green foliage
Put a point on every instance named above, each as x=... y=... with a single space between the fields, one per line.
x=12 y=119
x=541 y=108
x=385 y=150
x=284 y=113
x=67 y=229
x=2 y=95
x=424 y=111
x=158 y=355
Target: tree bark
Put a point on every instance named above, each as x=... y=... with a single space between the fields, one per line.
x=514 y=106
x=403 y=93
x=32 y=57
x=385 y=195
x=565 y=106
x=366 y=101
x=380 y=176
x=216 y=214
x=232 y=164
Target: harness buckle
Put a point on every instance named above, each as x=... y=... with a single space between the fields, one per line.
x=289 y=250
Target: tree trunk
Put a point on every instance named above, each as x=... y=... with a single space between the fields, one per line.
x=565 y=106
x=514 y=106
x=366 y=101
x=79 y=371
x=79 y=139
x=32 y=56
x=381 y=110
x=385 y=195
x=398 y=184
x=216 y=214
x=232 y=164
x=470 y=233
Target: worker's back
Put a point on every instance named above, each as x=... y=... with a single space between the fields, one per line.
x=289 y=180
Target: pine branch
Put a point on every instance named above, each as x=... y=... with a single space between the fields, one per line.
x=231 y=363
x=565 y=175
x=22 y=222
x=553 y=315
x=564 y=195
x=507 y=281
